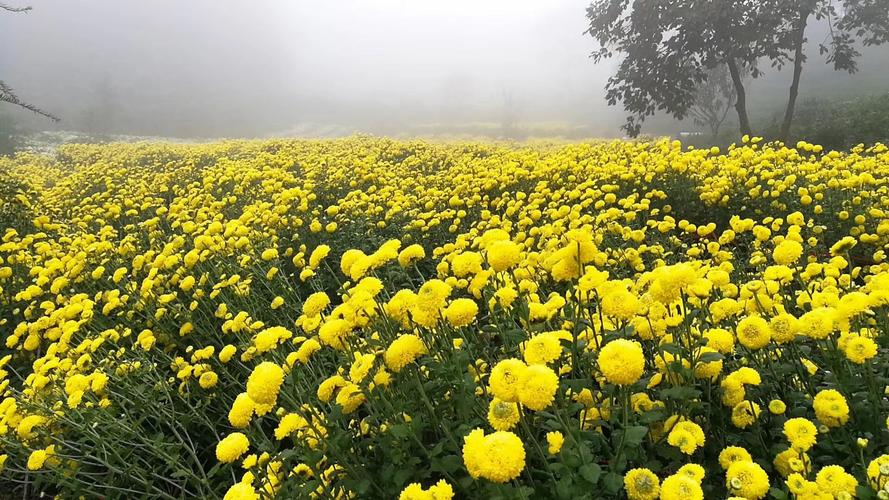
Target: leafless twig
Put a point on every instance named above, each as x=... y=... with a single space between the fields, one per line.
x=5 y=7
x=7 y=95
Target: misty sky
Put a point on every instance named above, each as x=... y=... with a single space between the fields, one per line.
x=272 y=64
x=225 y=68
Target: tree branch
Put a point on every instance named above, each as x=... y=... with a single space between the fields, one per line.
x=7 y=95
x=14 y=9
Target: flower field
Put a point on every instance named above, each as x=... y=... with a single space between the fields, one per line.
x=369 y=318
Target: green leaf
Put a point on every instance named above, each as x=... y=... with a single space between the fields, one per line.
x=401 y=476
x=671 y=348
x=709 y=357
x=447 y=463
x=635 y=435
x=570 y=459
x=865 y=493
x=591 y=472
x=564 y=488
x=777 y=494
x=613 y=482
x=363 y=486
x=680 y=393
x=400 y=430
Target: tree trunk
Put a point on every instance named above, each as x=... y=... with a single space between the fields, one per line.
x=741 y=102
x=798 y=57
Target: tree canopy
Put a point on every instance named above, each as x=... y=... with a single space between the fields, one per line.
x=669 y=47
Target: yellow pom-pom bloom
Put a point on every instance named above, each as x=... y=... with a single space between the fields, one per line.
x=411 y=254
x=503 y=415
x=831 y=408
x=554 y=441
x=801 y=433
x=878 y=472
x=36 y=459
x=241 y=411
x=754 y=332
x=787 y=252
x=461 y=312
x=264 y=383
x=537 y=387
x=835 y=481
x=622 y=362
x=497 y=457
x=232 y=447
x=543 y=348
x=503 y=255
x=681 y=487
x=241 y=491
x=732 y=454
x=642 y=484
x=747 y=480
x=208 y=380
x=403 y=351
x=505 y=377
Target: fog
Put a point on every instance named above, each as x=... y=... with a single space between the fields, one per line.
x=213 y=68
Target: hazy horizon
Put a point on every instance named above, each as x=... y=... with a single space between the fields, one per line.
x=219 y=68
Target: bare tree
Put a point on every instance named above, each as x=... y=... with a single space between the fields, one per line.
x=6 y=92
x=715 y=98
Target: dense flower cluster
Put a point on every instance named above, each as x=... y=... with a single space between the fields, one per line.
x=369 y=318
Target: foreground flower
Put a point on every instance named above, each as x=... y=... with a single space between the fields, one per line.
x=787 y=252
x=754 y=332
x=833 y=479
x=232 y=447
x=264 y=383
x=687 y=436
x=622 y=362
x=694 y=471
x=503 y=415
x=801 y=433
x=461 y=312
x=497 y=457
x=241 y=491
x=403 y=351
x=831 y=408
x=241 y=411
x=733 y=454
x=39 y=457
x=681 y=487
x=878 y=472
x=554 y=441
x=439 y=491
x=642 y=484
x=537 y=387
x=505 y=377
x=747 y=479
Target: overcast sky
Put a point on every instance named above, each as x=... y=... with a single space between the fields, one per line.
x=273 y=64
x=234 y=68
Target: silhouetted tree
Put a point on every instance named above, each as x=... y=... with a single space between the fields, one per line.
x=670 y=45
x=508 y=114
x=715 y=98
x=864 y=21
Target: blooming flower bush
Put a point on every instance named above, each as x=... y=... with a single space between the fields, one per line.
x=368 y=318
